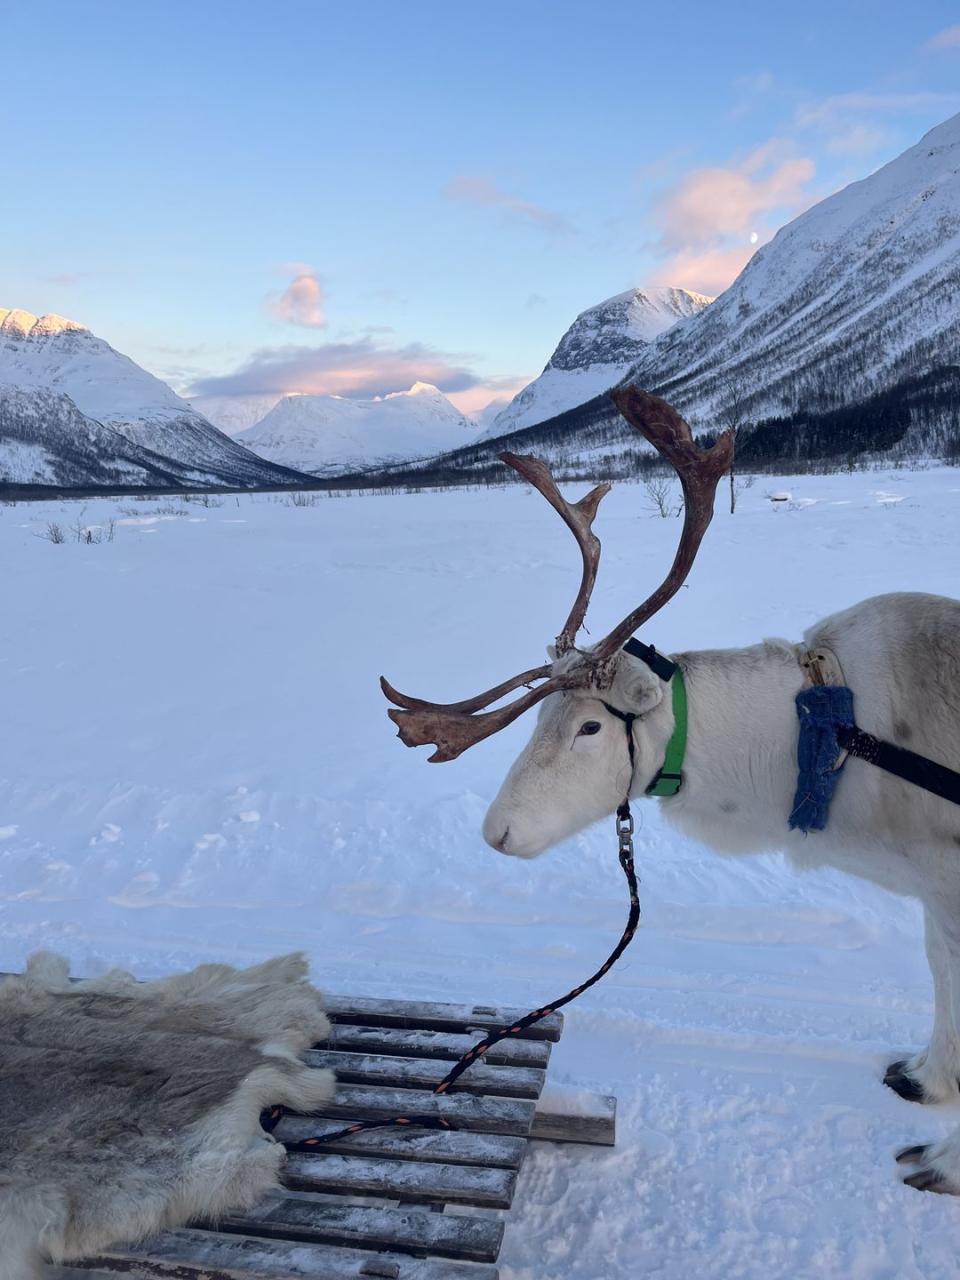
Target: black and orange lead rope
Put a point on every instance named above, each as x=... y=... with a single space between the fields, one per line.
x=272 y=1117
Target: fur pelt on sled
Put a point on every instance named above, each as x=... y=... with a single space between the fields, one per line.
x=128 y=1107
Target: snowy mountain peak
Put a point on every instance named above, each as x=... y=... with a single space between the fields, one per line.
x=597 y=350
x=418 y=389
x=24 y=324
x=617 y=329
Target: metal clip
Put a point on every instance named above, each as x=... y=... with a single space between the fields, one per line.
x=625 y=830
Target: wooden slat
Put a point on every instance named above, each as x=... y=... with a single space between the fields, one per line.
x=410 y=1180
x=210 y=1255
x=466 y=1110
x=433 y=1016
x=435 y=1044
x=298 y=1216
x=584 y=1118
x=425 y=1073
x=498 y=1151
x=588 y=1118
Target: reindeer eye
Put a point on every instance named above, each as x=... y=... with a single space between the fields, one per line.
x=590 y=727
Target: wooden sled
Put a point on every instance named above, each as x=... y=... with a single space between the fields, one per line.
x=383 y=1205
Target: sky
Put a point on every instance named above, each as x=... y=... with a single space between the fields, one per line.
x=345 y=198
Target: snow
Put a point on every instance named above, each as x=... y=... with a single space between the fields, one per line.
x=23 y=324
x=23 y=463
x=198 y=766
x=327 y=435
x=236 y=413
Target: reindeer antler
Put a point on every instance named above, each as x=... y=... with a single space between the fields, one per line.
x=455 y=726
x=579 y=520
x=699 y=471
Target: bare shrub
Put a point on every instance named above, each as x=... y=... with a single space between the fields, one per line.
x=301 y=499
x=660 y=499
x=53 y=533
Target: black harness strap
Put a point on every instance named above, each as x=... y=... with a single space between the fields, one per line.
x=905 y=764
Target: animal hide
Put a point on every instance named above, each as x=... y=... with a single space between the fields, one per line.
x=127 y=1107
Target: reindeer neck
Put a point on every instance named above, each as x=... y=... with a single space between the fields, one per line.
x=740 y=766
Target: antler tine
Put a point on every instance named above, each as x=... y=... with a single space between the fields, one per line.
x=579 y=518
x=699 y=471
x=468 y=705
x=453 y=731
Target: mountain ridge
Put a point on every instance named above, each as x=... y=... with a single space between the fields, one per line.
x=51 y=354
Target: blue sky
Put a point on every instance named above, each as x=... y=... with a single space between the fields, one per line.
x=307 y=196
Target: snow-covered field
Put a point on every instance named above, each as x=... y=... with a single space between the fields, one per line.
x=196 y=764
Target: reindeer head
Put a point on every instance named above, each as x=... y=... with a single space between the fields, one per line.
x=576 y=768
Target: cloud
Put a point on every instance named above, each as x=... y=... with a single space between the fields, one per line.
x=68 y=278
x=480 y=191
x=948 y=38
x=750 y=90
x=361 y=368
x=534 y=300
x=717 y=202
x=708 y=270
x=837 y=109
x=488 y=392
x=859 y=140
x=712 y=219
x=301 y=302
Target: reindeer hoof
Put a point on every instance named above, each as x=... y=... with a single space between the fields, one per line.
x=898 y=1079
x=936 y=1166
x=929 y=1180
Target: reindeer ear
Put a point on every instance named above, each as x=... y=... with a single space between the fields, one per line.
x=637 y=688
x=552 y=652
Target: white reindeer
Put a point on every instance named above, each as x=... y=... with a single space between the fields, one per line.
x=900 y=654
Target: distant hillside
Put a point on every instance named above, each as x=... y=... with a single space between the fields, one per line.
x=840 y=340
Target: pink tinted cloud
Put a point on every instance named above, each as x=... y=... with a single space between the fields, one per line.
x=301 y=302
x=707 y=271
x=360 y=369
x=716 y=202
x=948 y=38
x=490 y=390
x=482 y=192
x=714 y=218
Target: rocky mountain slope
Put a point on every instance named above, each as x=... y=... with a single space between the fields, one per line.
x=596 y=351
x=46 y=440
x=328 y=436
x=49 y=355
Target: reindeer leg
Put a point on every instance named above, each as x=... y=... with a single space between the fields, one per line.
x=932 y=1076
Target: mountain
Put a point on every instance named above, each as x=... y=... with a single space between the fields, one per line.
x=328 y=435
x=52 y=354
x=841 y=336
x=857 y=294
x=233 y=414
x=596 y=351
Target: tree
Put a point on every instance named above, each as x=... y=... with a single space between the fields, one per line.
x=732 y=417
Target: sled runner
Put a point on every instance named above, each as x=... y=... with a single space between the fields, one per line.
x=387 y=1056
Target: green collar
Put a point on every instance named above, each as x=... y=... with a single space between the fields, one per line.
x=669 y=779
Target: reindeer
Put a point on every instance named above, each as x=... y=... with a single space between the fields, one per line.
x=609 y=720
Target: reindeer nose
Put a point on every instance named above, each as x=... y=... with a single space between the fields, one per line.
x=500 y=844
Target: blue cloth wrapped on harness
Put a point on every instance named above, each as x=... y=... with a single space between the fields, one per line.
x=823 y=709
